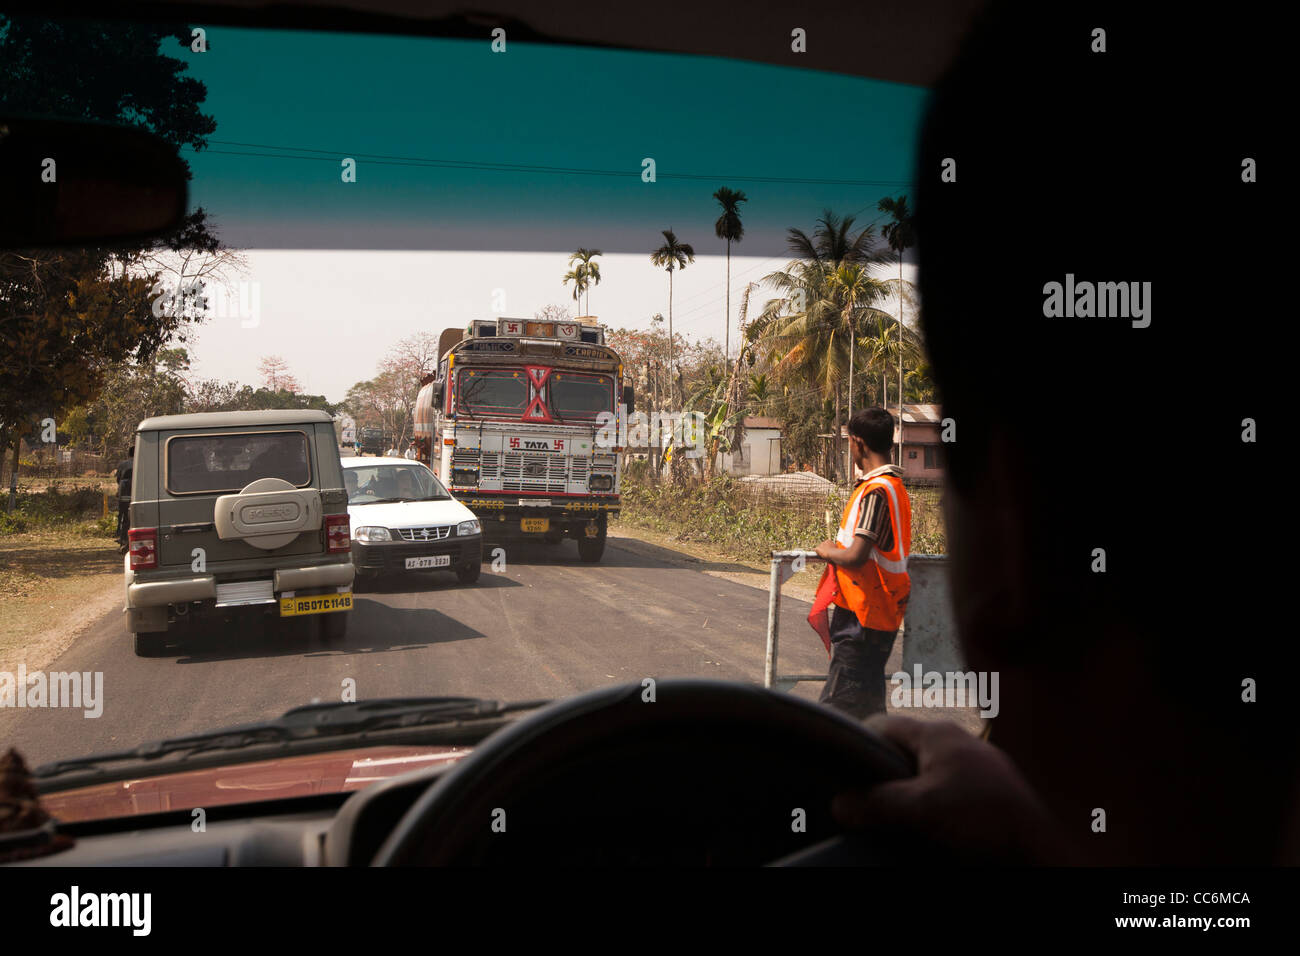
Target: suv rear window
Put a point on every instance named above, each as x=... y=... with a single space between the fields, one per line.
x=208 y=463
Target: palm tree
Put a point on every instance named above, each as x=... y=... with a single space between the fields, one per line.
x=709 y=396
x=590 y=272
x=729 y=227
x=671 y=255
x=900 y=233
x=578 y=276
x=854 y=289
x=882 y=350
x=811 y=326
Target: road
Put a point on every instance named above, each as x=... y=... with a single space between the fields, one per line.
x=546 y=626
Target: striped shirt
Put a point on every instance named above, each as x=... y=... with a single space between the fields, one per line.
x=874 y=523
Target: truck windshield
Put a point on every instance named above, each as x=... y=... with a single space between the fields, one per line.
x=575 y=395
x=492 y=391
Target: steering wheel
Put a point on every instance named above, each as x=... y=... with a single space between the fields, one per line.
x=688 y=772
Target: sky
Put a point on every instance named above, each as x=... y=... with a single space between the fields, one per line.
x=477 y=173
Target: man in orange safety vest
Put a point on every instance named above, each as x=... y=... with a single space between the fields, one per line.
x=866 y=577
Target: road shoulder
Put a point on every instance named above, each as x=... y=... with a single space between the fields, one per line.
x=697 y=557
x=52 y=589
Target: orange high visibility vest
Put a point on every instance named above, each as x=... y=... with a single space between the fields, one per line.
x=877 y=590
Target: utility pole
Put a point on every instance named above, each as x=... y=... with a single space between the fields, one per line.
x=900 y=358
x=848 y=452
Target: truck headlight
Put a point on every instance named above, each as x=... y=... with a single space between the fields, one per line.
x=469 y=527
x=371 y=533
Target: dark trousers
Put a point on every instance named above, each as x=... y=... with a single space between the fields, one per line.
x=855 y=684
x=123 y=520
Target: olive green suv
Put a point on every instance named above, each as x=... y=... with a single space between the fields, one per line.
x=237 y=517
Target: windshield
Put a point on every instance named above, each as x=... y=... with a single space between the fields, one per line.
x=367 y=485
x=343 y=236
x=492 y=391
x=578 y=396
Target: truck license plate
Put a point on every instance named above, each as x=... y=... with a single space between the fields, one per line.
x=435 y=561
x=534 y=524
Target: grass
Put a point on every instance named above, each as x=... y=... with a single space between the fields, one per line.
x=55 y=550
x=729 y=516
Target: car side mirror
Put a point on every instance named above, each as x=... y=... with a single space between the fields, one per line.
x=438 y=388
x=629 y=398
x=76 y=183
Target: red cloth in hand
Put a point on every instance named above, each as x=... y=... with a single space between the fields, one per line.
x=827 y=589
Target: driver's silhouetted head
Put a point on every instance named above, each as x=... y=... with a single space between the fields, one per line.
x=1079 y=209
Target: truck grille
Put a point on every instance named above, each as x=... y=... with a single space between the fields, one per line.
x=521 y=472
x=424 y=534
x=507 y=470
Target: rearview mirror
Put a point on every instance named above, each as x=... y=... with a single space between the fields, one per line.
x=629 y=398
x=65 y=182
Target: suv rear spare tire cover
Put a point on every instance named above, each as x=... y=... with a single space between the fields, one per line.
x=267 y=513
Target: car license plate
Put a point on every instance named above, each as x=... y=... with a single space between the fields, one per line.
x=315 y=604
x=534 y=524
x=436 y=561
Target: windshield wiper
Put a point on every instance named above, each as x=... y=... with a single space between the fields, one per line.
x=311 y=722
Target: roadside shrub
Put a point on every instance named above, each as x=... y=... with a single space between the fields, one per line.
x=732 y=516
x=15 y=523
x=57 y=508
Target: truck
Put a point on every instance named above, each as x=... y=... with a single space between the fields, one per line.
x=516 y=422
x=371 y=440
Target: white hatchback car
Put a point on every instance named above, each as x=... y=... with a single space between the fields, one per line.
x=404 y=519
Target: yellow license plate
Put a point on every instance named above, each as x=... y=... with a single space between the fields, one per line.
x=534 y=524
x=315 y=604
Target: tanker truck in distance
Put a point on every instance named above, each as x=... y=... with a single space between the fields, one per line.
x=512 y=422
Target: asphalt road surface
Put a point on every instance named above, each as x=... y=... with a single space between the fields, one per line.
x=547 y=626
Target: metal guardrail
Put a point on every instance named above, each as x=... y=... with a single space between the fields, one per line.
x=929 y=635
x=784 y=566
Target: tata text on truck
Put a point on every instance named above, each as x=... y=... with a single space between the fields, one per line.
x=511 y=424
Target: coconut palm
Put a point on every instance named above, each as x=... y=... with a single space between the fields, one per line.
x=825 y=295
x=590 y=271
x=879 y=344
x=730 y=228
x=672 y=255
x=855 y=290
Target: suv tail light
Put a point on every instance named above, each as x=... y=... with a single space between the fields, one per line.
x=144 y=548
x=338 y=533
